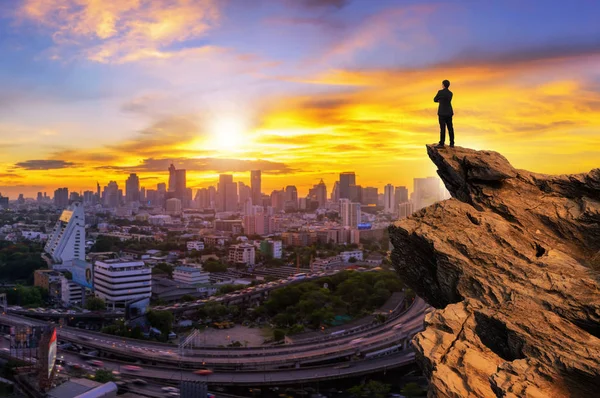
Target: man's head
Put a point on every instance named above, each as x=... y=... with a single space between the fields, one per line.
x=446 y=83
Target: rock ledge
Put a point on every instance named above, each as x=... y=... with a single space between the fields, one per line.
x=512 y=262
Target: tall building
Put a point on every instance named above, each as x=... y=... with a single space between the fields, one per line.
x=255 y=187
x=143 y=195
x=172 y=178
x=88 y=197
x=405 y=209
x=389 y=203
x=278 y=200
x=117 y=281
x=226 y=193
x=3 y=202
x=244 y=193
x=173 y=206
x=67 y=240
x=271 y=248
x=401 y=195
x=426 y=192
x=132 y=188
x=370 y=195
x=178 y=184
x=39 y=197
x=291 y=198
x=350 y=213
x=111 y=195
x=346 y=180
x=61 y=198
x=355 y=192
x=335 y=192
x=318 y=193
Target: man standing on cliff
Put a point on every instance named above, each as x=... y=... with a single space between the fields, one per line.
x=445 y=113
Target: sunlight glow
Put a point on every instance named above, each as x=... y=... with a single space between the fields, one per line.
x=227 y=133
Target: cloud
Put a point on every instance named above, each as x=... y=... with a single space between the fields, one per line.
x=44 y=164
x=219 y=165
x=322 y=3
x=121 y=30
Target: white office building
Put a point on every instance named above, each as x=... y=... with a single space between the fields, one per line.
x=117 y=281
x=70 y=292
x=346 y=256
x=67 y=240
x=195 y=245
x=190 y=275
x=350 y=213
x=242 y=254
x=389 y=199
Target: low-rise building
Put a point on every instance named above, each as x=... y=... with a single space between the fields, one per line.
x=168 y=290
x=346 y=256
x=242 y=254
x=190 y=275
x=117 y=281
x=195 y=245
x=71 y=292
x=272 y=248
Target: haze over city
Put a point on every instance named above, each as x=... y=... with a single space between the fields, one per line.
x=302 y=90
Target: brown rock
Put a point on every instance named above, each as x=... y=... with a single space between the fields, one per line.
x=513 y=264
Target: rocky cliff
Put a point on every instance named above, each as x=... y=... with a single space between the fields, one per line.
x=512 y=264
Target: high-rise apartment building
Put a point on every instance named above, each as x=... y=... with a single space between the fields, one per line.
x=110 y=195
x=291 y=198
x=389 y=203
x=226 y=193
x=350 y=213
x=173 y=207
x=132 y=188
x=346 y=180
x=405 y=209
x=67 y=240
x=318 y=193
x=278 y=200
x=426 y=192
x=244 y=193
x=255 y=187
x=88 y=197
x=401 y=195
x=61 y=198
x=117 y=281
x=369 y=196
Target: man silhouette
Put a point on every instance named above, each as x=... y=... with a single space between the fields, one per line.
x=445 y=113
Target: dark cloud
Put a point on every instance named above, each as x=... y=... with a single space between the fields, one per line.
x=554 y=50
x=10 y=176
x=44 y=164
x=206 y=164
x=323 y=3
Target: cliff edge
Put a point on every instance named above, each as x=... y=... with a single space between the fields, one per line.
x=512 y=262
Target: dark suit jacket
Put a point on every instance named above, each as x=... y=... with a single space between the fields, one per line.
x=444 y=97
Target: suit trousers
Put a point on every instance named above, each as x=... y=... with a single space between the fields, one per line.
x=446 y=121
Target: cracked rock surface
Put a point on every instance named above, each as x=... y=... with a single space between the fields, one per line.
x=512 y=264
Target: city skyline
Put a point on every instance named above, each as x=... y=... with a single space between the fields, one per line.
x=95 y=93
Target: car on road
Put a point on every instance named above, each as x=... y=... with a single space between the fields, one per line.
x=398 y=326
x=203 y=372
x=140 y=382
x=170 y=389
x=132 y=368
x=96 y=362
x=357 y=341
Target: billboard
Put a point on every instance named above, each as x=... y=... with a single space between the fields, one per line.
x=52 y=352
x=83 y=273
x=25 y=341
x=136 y=308
x=364 y=226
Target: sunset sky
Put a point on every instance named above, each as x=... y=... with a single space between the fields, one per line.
x=92 y=90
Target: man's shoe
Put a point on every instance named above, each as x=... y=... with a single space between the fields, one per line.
x=439 y=146
x=451 y=145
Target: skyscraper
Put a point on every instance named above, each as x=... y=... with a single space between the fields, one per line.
x=3 y=202
x=278 y=200
x=291 y=198
x=111 y=194
x=335 y=192
x=346 y=179
x=244 y=193
x=61 y=198
x=67 y=240
x=226 y=193
x=178 y=184
x=318 y=193
x=388 y=199
x=132 y=188
x=350 y=213
x=255 y=187
x=172 y=178
x=370 y=195
x=401 y=195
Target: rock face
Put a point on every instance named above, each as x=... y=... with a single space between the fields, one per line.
x=512 y=262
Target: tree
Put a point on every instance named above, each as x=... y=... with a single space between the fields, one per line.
x=371 y=389
x=104 y=376
x=163 y=268
x=187 y=298
x=214 y=266
x=162 y=320
x=352 y=260
x=95 y=304
x=412 y=390
x=278 y=334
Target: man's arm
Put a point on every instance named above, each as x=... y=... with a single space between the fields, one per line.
x=437 y=97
